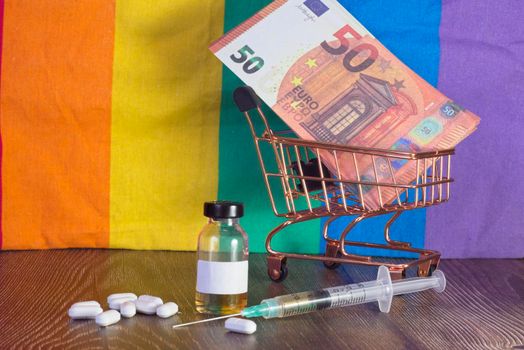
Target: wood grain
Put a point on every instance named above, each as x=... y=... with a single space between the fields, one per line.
x=482 y=307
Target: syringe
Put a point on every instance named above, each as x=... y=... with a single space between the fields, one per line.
x=380 y=290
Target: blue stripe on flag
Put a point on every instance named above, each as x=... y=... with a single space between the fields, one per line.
x=409 y=29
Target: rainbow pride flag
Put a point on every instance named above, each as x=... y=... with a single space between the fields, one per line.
x=117 y=123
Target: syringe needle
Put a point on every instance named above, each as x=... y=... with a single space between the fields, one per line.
x=207 y=320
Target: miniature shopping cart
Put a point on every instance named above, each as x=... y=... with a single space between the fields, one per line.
x=301 y=187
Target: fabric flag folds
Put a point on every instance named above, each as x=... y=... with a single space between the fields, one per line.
x=117 y=123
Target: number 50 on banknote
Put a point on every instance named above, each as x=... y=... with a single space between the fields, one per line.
x=330 y=80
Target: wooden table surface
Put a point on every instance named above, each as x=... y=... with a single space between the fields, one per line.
x=482 y=307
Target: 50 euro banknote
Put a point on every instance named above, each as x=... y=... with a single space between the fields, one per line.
x=330 y=80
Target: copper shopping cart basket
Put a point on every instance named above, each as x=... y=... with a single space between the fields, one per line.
x=301 y=187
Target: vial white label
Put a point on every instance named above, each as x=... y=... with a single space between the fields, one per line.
x=221 y=277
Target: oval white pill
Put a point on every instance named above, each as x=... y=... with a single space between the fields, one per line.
x=128 y=309
x=86 y=303
x=167 y=310
x=84 y=312
x=241 y=325
x=146 y=307
x=115 y=303
x=107 y=318
x=151 y=298
x=131 y=296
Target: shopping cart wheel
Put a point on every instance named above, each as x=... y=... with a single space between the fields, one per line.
x=332 y=251
x=331 y=265
x=278 y=276
x=277 y=268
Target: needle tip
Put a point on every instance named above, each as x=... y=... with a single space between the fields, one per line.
x=206 y=320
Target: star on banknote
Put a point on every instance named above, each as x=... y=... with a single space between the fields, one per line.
x=398 y=84
x=311 y=63
x=296 y=81
x=294 y=105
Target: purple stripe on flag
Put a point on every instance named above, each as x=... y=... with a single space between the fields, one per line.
x=482 y=68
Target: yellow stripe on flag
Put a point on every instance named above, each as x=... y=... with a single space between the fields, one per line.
x=165 y=120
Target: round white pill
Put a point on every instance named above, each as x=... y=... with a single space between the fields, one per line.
x=115 y=303
x=241 y=325
x=86 y=303
x=128 y=309
x=87 y=312
x=130 y=296
x=107 y=318
x=167 y=310
x=146 y=307
x=151 y=298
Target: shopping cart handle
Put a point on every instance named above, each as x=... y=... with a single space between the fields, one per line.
x=245 y=98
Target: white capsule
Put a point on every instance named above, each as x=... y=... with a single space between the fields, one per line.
x=86 y=303
x=116 y=303
x=87 y=312
x=107 y=318
x=128 y=309
x=131 y=296
x=167 y=310
x=241 y=325
x=146 y=307
x=151 y=298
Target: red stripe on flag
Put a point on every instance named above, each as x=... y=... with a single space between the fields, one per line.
x=1 y=149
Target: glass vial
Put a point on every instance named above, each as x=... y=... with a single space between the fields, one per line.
x=222 y=266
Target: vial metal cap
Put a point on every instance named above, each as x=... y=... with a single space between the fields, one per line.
x=223 y=210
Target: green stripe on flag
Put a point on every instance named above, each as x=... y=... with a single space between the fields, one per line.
x=240 y=176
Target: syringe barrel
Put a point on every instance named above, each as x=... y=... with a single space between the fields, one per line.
x=300 y=303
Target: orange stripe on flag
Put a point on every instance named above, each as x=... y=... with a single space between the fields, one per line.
x=56 y=117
